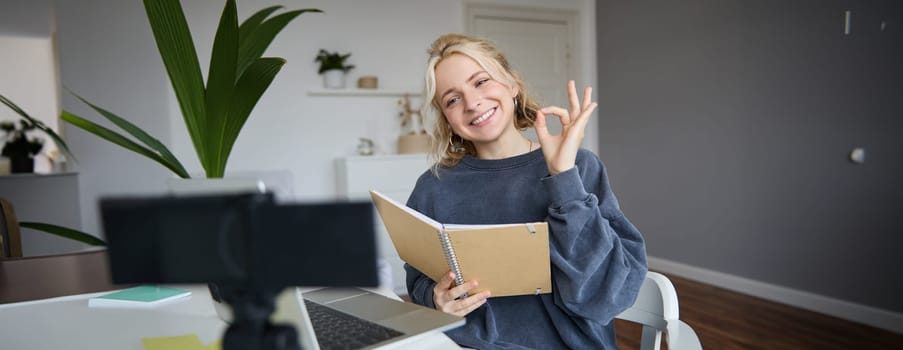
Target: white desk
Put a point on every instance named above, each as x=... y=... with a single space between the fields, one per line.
x=68 y=323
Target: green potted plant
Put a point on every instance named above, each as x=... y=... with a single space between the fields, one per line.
x=30 y=123
x=333 y=68
x=19 y=148
x=214 y=113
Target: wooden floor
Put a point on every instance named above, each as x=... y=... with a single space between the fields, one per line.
x=726 y=320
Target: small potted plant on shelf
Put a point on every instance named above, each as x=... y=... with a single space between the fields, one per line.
x=19 y=148
x=333 y=68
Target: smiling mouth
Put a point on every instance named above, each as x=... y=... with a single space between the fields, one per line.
x=484 y=117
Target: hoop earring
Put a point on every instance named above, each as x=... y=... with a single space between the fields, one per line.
x=515 y=102
x=456 y=148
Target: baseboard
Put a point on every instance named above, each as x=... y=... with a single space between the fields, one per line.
x=869 y=315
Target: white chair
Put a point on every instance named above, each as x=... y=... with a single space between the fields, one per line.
x=656 y=309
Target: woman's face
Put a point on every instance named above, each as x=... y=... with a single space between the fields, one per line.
x=477 y=107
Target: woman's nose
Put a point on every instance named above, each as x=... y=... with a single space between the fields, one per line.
x=471 y=101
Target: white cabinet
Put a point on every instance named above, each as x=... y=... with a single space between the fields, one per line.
x=392 y=175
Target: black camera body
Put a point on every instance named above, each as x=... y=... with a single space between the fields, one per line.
x=246 y=246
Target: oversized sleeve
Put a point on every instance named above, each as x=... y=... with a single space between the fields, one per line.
x=598 y=257
x=420 y=287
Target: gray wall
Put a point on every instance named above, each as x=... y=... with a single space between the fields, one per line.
x=726 y=127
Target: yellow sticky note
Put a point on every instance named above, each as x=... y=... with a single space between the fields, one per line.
x=179 y=342
x=215 y=345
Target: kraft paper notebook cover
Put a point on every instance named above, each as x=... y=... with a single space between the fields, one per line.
x=510 y=259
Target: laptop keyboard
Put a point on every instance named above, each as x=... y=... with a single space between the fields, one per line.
x=338 y=330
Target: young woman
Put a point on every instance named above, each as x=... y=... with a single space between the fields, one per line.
x=488 y=172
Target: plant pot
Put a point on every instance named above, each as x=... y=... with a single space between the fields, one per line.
x=21 y=165
x=334 y=79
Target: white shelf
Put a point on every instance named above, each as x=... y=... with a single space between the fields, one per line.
x=361 y=92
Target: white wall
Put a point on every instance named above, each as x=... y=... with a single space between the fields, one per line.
x=108 y=56
x=112 y=61
x=28 y=78
x=28 y=74
x=290 y=130
x=584 y=52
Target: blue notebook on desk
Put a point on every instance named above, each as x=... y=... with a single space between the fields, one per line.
x=139 y=297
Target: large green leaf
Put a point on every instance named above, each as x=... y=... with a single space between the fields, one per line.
x=177 y=50
x=40 y=125
x=64 y=232
x=251 y=86
x=139 y=134
x=221 y=81
x=122 y=141
x=259 y=37
x=14 y=107
x=251 y=23
x=214 y=114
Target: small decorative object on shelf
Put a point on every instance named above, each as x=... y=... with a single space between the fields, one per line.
x=366 y=147
x=414 y=138
x=368 y=82
x=57 y=161
x=19 y=148
x=333 y=68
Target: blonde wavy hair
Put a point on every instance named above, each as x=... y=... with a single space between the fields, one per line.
x=491 y=59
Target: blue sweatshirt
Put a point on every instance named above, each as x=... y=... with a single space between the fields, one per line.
x=598 y=257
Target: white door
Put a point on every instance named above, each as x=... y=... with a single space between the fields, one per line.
x=538 y=45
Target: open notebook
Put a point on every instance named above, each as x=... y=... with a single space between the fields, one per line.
x=339 y=318
x=507 y=259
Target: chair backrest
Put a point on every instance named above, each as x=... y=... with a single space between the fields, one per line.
x=48 y=276
x=657 y=309
x=10 y=240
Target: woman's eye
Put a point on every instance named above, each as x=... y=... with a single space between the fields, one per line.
x=482 y=81
x=451 y=101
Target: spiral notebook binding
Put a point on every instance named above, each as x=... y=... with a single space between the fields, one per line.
x=450 y=255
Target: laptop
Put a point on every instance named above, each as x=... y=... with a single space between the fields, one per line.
x=354 y=318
